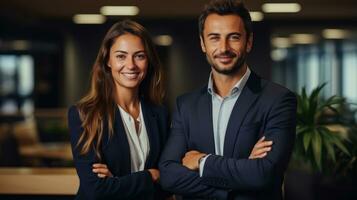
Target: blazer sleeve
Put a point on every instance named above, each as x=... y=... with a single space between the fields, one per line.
x=174 y=176
x=238 y=174
x=125 y=187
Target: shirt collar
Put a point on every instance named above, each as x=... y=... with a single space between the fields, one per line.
x=238 y=86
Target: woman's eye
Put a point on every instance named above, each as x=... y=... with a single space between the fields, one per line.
x=140 y=56
x=120 y=57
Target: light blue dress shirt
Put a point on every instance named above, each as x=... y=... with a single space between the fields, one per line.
x=221 y=111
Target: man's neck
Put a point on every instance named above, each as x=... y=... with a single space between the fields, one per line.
x=223 y=83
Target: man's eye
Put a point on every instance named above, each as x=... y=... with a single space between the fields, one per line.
x=235 y=37
x=214 y=38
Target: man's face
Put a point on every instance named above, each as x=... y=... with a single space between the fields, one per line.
x=225 y=43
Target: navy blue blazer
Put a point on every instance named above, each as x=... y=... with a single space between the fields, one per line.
x=263 y=108
x=115 y=153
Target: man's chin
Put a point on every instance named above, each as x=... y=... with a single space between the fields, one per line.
x=227 y=70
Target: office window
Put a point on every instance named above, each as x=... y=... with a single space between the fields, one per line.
x=17 y=83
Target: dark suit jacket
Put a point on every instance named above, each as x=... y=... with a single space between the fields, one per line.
x=263 y=108
x=115 y=153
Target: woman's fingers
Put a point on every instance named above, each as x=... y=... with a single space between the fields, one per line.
x=99 y=165
x=101 y=175
x=101 y=170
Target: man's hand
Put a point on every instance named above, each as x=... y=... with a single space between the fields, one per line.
x=191 y=159
x=155 y=175
x=261 y=149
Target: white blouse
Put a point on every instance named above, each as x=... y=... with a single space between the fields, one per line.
x=138 y=141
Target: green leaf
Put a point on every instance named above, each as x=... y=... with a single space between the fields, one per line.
x=341 y=146
x=314 y=100
x=302 y=129
x=307 y=140
x=316 y=147
x=330 y=149
x=333 y=100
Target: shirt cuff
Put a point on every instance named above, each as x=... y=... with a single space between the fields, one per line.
x=202 y=164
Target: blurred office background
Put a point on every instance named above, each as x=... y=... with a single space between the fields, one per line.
x=47 y=50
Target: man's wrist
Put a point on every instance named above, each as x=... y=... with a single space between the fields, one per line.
x=203 y=156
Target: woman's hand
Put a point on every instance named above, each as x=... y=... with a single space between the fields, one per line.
x=155 y=175
x=101 y=170
x=261 y=149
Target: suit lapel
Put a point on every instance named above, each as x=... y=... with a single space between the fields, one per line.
x=150 y=119
x=244 y=102
x=204 y=116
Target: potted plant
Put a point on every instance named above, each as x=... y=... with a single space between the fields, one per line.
x=319 y=141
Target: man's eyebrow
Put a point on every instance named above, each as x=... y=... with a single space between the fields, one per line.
x=212 y=34
x=235 y=33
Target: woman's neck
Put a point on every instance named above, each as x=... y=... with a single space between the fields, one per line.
x=128 y=100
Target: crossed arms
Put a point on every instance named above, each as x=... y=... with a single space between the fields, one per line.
x=223 y=174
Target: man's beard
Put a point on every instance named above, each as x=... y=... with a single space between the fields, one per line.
x=236 y=67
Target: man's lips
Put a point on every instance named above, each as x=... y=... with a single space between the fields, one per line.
x=225 y=59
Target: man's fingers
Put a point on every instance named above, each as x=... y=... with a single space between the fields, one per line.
x=261 y=155
x=262 y=144
x=261 y=139
x=258 y=156
x=261 y=151
x=191 y=152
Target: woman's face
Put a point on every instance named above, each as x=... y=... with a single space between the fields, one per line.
x=128 y=61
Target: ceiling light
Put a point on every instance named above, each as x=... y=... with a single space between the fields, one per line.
x=278 y=54
x=89 y=19
x=281 y=7
x=119 y=10
x=21 y=45
x=281 y=42
x=163 y=40
x=335 y=33
x=256 y=16
x=303 y=38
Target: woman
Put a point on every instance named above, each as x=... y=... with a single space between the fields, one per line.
x=118 y=128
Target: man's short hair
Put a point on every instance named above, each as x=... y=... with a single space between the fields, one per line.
x=226 y=7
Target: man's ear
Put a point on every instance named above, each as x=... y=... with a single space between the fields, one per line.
x=249 y=43
x=203 y=47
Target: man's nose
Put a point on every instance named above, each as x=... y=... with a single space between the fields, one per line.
x=223 y=46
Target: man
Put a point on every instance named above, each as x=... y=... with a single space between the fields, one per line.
x=215 y=128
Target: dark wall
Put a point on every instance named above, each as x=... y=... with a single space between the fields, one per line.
x=77 y=46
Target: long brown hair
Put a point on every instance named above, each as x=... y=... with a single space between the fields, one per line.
x=98 y=106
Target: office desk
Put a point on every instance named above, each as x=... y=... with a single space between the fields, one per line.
x=38 y=181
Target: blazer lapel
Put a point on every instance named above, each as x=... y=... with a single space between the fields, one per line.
x=204 y=116
x=150 y=119
x=244 y=102
x=123 y=144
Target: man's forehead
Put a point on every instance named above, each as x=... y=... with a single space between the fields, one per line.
x=223 y=23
